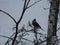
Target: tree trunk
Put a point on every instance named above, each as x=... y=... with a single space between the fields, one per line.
x=52 y=22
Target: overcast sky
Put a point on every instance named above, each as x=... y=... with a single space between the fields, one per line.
x=14 y=8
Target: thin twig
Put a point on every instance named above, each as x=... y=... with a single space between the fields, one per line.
x=27 y=3
x=42 y=41
x=24 y=9
x=7 y=37
x=27 y=40
x=33 y=4
x=58 y=29
x=8 y=15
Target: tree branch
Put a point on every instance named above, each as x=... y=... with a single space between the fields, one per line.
x=8 y=15
x=24 y=8
x=6 y=37
x=33 y=4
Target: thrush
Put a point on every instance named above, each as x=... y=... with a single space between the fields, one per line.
x=35 y=24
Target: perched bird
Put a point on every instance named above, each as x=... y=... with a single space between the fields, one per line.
x=35 y=24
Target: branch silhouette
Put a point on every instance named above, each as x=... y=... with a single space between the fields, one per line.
x=33 y=4
x=8 y=15
x=6 y=37
x=17 y=24
x=24 y=9
x=26 y=3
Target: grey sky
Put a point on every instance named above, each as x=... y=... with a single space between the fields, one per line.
x=14 y=8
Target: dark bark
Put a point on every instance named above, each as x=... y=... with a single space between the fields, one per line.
x=14 y=40
x=52 y=22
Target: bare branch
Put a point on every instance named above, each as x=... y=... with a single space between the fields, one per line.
x=27 y=40
x=46 y=40
x=9 y=39
x=58 y=29
x=33 y=4
x=27 y=3
x=17 y=23
x=6 y=37
x=24 y=9
x=42 y=41
x=8 y=15
x=46 y=8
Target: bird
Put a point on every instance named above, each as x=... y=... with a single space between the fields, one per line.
x=35 y=24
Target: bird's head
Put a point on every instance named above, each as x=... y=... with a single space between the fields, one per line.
x=34 y=20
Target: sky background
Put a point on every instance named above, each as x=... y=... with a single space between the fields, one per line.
x=14 y=8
